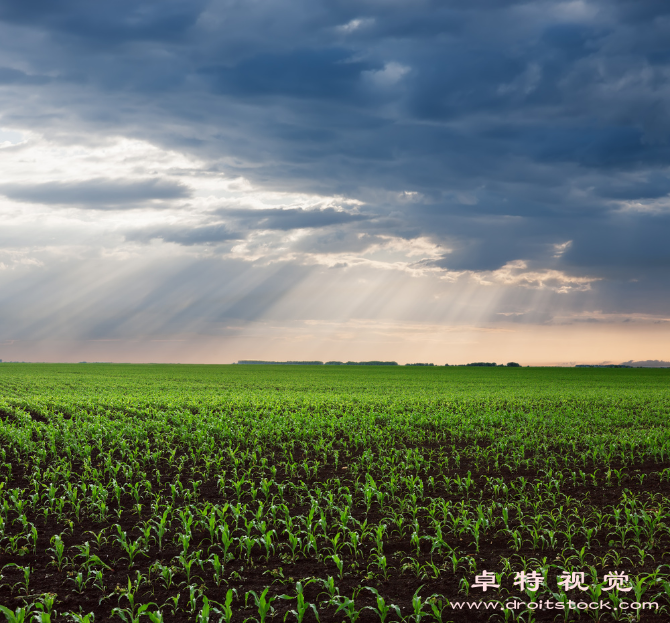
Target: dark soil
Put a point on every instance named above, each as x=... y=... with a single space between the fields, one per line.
x=281 y=573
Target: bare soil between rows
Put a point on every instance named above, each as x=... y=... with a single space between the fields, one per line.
x=280 y=574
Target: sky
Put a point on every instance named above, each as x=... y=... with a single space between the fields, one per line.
x=203 y=181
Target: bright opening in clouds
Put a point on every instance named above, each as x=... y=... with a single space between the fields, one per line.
x=420 y=181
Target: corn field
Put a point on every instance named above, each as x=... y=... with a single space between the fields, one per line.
x=373 y=494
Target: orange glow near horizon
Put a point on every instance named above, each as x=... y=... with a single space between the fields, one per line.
x=564 y=345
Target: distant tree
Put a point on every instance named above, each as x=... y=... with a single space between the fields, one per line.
x=512 y=364
x=480 y=363
x=279 y=363
x=371 y=363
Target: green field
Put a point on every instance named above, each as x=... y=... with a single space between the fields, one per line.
x=195 y=493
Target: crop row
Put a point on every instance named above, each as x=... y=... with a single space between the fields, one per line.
x=132 y=500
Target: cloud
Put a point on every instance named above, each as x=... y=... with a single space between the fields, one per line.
x=99 y=193
x=130 y=21
x=484 y=134
x=244 y=221
x=9 y=75
x=388 y=76
x=649 y=185
x=292 y=218
x=184 y=235
x=329 y=73
x=517 y=274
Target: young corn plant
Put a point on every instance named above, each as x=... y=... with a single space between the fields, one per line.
x=302 y=605
x=263 y=604
x=133 y=614
x=58 y=550
x=20 y=615
x=348 y=607
x=382 y=609
x=131 y=548
x=339 y=563
x=25 y=583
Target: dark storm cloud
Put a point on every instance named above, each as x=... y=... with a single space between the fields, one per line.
x=652 y=186
x=125 y=20
x=329 y=74
x=627 y=246
x=520 y=126
x=291 y=218
x=239 y=222
x=96 y=194
x=9 y=75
